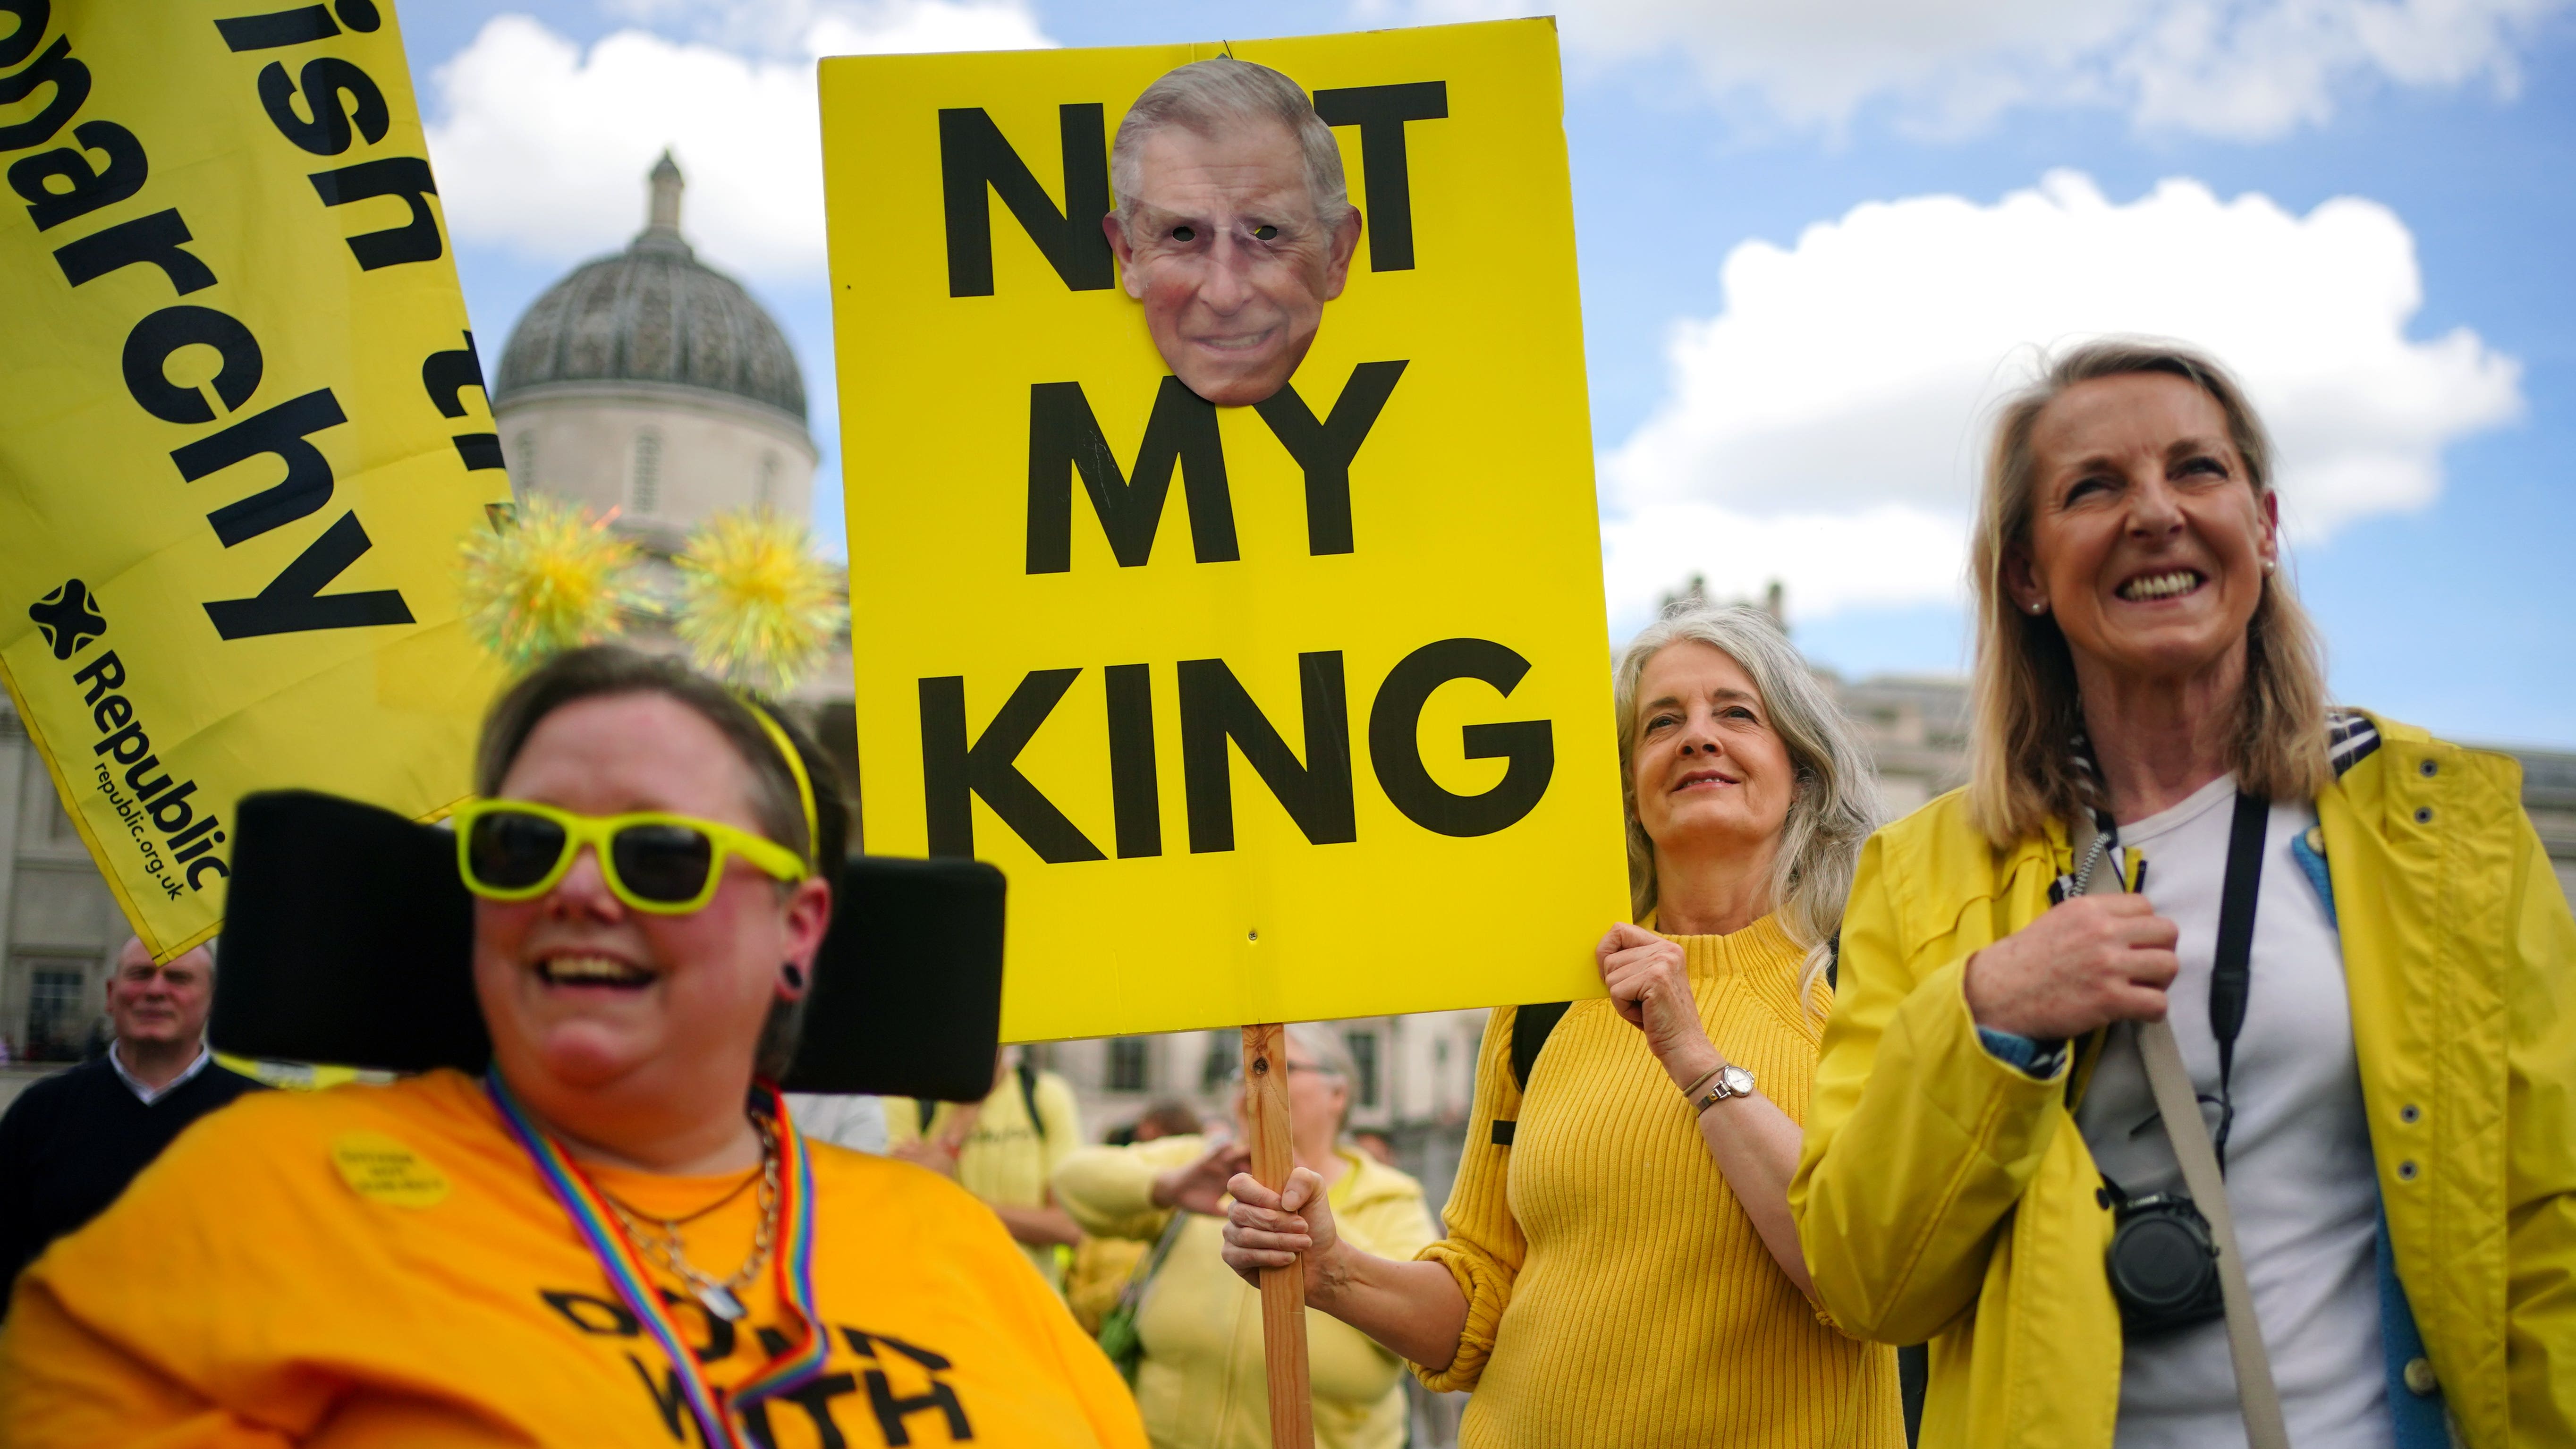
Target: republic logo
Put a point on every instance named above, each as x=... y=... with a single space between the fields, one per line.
x=68 y=618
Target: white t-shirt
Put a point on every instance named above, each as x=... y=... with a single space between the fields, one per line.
x=844 y=1120
x=2299 y=1173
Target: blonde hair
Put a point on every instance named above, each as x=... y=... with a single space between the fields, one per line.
x=2022 y=770
x=1836 y=804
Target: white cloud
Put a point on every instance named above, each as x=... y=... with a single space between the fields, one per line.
x=2248 y=69
x=1825 y=427
x=542 y=147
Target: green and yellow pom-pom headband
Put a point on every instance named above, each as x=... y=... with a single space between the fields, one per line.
x=755 y=609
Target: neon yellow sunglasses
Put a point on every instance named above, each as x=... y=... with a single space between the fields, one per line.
x=668 y=865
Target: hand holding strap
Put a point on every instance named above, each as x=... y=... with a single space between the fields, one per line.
x=2179 y=1105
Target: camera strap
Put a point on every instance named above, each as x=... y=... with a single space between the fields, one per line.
x=2256 y=1395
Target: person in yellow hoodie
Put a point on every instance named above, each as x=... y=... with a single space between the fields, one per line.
x=615 y=1237
x=2337 y=933
x=1201 y=1383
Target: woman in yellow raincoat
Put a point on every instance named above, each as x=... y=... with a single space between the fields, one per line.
x=2395 y=1101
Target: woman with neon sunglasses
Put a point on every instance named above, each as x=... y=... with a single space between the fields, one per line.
x=614 y=1234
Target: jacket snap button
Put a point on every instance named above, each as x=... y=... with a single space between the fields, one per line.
x=2427 y=768
x=2419 y=1377
x=2423 y=814
x=2316 y=838
x=2406 y=1170
x=2409 y=1112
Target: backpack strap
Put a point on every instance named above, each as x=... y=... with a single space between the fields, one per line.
x=1530 y=1028
x=1029 y=1098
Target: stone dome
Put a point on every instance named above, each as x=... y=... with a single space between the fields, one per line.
x=654 y=313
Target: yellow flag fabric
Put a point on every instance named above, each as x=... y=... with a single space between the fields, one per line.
x=1273 y=705
x=241 y=429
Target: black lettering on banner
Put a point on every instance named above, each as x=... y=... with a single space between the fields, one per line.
x=446 y=375
x=1134 y=793
x=973 y=156
x=87 y=187
x=591 y=1313
x=294 y=603
x=328 y=133
x=102 y=674
x=1065 y=438
x=1380 y=112
x=404 y=176
x=155 y=239
x=281 y=430
x=33 y=18
x=214 y=863
x=1316 y=794
x=70 y=80
x=1324 y=450
x=954 y=770
x=149 y=347
x=1395 y=744
x=300 y=26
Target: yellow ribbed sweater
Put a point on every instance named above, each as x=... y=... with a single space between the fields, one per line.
x=1616 y=1294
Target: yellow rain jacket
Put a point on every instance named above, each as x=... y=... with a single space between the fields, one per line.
x=1945 y=1195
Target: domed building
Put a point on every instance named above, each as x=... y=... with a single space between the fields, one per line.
x=652 y=389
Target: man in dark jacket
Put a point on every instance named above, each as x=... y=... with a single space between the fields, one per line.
x=71 y=1142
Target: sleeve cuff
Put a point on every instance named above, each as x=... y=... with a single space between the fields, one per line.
x=2021 y=1053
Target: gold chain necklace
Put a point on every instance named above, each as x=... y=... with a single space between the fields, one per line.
x=720 y=1295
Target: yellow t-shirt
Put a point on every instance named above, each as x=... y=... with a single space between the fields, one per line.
x=1006 y=1158
x=384 y=1266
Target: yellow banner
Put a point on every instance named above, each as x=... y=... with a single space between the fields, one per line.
x=241 y=429
x=1229 y=573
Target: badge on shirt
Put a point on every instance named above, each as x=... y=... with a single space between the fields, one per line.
x=381 y=1169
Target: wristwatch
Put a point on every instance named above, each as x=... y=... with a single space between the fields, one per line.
x=1732 y=1081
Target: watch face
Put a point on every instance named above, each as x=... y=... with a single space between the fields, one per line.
x=1738 y=1081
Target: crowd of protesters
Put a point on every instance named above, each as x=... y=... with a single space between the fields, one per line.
x=2202 y=1073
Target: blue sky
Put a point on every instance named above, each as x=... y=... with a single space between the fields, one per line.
x=1811 y=252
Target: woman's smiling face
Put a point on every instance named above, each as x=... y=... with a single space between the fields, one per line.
x=583 y=993
x=2147 y=540
x=1708 y=768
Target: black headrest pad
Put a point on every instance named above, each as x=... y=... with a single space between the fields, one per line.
x=348 y=939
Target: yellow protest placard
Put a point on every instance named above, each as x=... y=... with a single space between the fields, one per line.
x=1228 y=573
x=241 y=429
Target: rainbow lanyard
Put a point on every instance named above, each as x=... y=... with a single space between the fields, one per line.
x=606 y=1236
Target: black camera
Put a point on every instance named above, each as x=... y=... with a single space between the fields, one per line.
x=2163 y=1265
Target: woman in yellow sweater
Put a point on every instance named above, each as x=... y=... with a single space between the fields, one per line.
x=1200 y=1384
x=615 y=1237
x=1621 y=1269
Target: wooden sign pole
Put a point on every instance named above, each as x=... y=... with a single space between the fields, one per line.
x=1283 y=1290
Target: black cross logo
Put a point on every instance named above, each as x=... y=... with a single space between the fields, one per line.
x=68 y=618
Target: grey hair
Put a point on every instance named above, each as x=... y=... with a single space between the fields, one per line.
x=1206 y=96
x=1836 y=804
x=1319 y=1039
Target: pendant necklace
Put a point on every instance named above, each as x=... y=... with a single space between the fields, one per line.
x=720 y=1295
